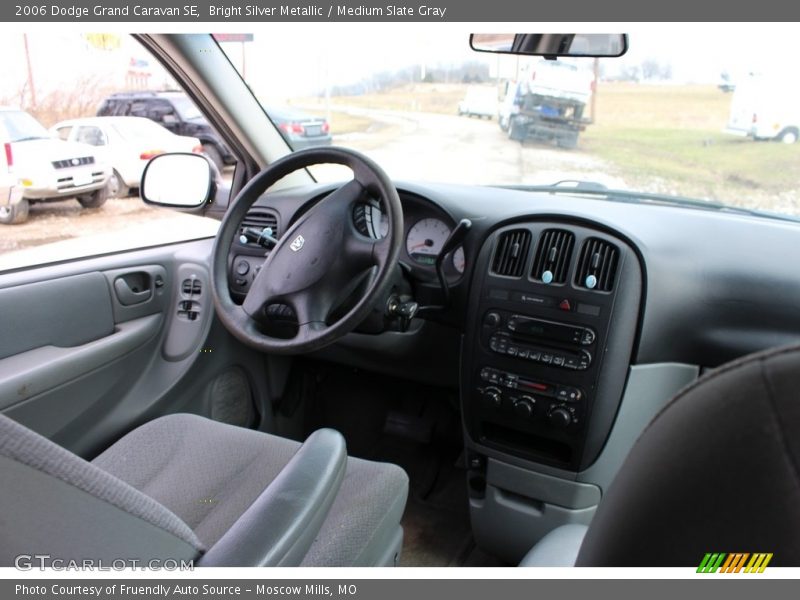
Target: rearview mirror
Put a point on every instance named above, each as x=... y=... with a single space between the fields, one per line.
x=178 y=181
x=552 y=45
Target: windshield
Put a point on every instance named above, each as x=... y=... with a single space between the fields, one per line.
x=186 y=108
x=663 y=119
x=20 y=126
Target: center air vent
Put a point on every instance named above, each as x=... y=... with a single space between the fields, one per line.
x=597 y=265
x=260 y=219
x=511 y=253
x=553 y=256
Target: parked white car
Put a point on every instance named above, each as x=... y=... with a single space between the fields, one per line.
x=126 y=143
x=47 y=168
x=766 y=108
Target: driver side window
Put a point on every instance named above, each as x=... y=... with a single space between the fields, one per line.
x=112 y=75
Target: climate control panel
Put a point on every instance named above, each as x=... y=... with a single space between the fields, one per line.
x=544 y=366
x=553 y=404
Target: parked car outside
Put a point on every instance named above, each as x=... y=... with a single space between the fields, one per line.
x=10 y=190
x=299 y=129
x=766 y=108
x=125 y=143
x=176 y=112
x=479 y=102
x=48 y=168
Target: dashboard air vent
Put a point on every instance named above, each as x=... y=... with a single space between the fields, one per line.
x=597 y=265
x=553 y=255
x=511 y=252
x=260 y=219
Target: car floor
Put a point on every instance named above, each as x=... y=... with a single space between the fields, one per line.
x=411 y=425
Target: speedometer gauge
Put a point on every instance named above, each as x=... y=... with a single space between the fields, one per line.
x=425 y=240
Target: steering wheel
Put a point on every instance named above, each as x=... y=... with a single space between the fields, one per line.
x=317 y=258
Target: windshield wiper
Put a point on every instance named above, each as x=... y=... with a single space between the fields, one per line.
x=592 y=188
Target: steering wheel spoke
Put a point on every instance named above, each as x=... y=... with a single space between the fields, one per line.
x=310 y=310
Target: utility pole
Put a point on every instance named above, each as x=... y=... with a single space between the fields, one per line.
x=30 y=72
x=594 y=87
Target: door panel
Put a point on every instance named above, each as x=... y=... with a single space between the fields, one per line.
x=91 y=348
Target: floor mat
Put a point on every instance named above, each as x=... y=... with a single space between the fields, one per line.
x=416 y=427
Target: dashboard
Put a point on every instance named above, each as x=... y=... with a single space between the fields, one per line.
x=553 y=298
x=570 y=321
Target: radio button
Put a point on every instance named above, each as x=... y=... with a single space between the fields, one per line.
x=558 y=361
x=492 y=319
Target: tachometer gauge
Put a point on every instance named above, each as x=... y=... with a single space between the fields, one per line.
x=425 y=240
x=459 y=262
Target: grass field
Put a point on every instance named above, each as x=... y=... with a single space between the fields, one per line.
x=670 y=137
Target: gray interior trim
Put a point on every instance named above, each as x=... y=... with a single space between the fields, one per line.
x=280 y=526
x=27 y=315
x=52 y=517
x=649 y=388
x=184 y=336
x=553 y=490
x=29 y=373
x=508 y=525
x=559 y=548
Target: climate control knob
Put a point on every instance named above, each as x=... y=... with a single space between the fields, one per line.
x=493 y=396
x=560 y=417
x=523 y=407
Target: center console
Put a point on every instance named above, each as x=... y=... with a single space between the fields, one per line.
x=555 y=308
x=553 y=314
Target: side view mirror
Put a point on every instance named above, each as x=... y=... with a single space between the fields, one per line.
x=178 y=180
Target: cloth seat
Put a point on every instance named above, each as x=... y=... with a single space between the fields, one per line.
x=194 y=478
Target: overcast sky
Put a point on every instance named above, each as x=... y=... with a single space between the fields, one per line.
x=291 y=59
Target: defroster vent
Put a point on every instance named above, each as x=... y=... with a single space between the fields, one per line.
x=551 y=264
x=597 y=265
x=511 y=252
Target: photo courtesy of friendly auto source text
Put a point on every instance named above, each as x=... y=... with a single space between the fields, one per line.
x=358 y=298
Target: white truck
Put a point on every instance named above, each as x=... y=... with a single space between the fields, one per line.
x=766 y=108
x=546 y=103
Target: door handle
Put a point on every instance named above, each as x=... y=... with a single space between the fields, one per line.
x=133 y=288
